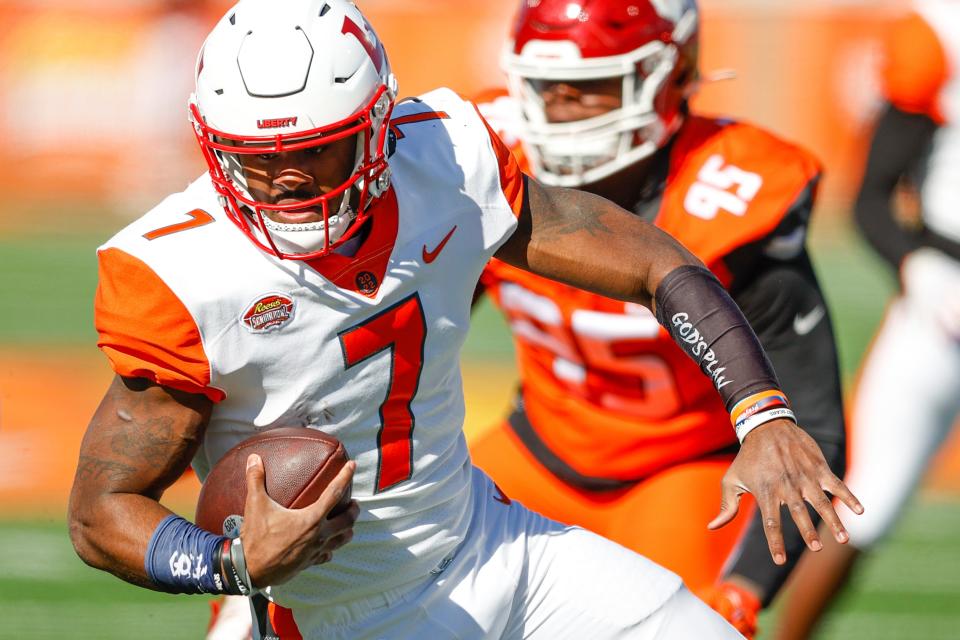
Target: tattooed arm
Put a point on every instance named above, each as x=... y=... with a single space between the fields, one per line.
x=590 y=243
x=140 y=440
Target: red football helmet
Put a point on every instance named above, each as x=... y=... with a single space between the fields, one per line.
x=651 y=45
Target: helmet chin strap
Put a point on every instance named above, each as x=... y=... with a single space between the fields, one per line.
x=307 y=237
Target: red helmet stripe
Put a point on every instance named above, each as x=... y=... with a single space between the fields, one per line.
x=375 y=53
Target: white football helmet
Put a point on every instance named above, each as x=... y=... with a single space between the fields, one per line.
x=651 y=45
x=274 y=77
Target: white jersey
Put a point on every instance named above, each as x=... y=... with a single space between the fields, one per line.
x=364 y=348
x=923 y=57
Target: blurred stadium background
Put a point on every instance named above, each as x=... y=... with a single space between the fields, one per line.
x=93 y=122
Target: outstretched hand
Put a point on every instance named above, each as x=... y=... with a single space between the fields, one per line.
x=780 y=464
x=279 y=543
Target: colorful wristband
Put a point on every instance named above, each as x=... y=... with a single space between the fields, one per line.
x=235 y=568
x=759 y=408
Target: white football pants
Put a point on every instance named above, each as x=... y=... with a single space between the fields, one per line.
x=908 y=394
x=519 y=575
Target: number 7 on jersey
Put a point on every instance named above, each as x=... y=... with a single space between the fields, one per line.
x=401 y=329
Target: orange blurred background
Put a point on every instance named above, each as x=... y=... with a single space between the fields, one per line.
x=92 y=97
x=94 y=129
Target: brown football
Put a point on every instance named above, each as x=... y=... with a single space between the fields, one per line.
x=298 y=462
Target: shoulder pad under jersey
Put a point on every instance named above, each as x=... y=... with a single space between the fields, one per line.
x=731 y=184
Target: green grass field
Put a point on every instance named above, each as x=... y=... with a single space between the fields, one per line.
x=910 y=588
x=47 y=592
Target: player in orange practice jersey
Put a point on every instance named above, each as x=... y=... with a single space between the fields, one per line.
x=613 y=428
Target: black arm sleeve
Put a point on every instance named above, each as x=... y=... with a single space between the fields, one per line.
x=707 y=325
x=899 y=141
x=786 y=308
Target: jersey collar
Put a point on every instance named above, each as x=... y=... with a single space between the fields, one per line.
x=363 y=272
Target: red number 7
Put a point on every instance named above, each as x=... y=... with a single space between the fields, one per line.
x=401 y=329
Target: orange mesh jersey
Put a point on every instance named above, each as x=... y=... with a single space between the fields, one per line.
x=604 y=386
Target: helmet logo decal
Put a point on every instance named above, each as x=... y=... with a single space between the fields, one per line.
x=276 y=123
x=268 y=313
x=366 y=41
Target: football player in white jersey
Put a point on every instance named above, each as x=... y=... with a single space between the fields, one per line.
x=322 y=275
x=906 y=399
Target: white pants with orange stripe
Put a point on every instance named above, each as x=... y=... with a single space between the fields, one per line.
x=908 y=395
x=520 y=575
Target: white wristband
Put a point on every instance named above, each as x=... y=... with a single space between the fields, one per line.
x=747 y=425
x=240 y=564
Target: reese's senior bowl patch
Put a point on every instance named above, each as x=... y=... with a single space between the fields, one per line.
x=269 y=313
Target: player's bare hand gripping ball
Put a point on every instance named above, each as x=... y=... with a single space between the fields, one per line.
x=279 y=542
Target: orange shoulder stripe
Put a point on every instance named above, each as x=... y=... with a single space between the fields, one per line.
x=145 y=330
x=511 y=178
x=915 y=68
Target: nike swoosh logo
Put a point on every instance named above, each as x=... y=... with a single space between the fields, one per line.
x=430 y=256
x=804 y=324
